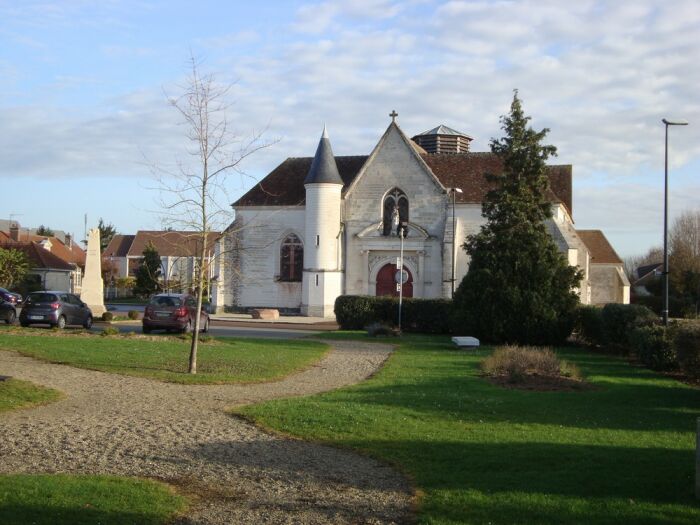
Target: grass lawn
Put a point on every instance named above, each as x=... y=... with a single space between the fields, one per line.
x=20 y=394
x=166 y=357
x=622 y=452
x=76 y=500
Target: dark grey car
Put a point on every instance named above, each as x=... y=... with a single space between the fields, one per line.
x=7 y=311
x=57 y=309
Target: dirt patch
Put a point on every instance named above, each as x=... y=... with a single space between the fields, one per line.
x=542 y=384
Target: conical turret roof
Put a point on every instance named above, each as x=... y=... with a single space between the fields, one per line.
x=323 y=168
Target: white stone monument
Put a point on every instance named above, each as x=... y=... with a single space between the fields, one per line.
x=92 y=290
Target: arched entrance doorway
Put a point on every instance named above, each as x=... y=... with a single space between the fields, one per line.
x=386 y=285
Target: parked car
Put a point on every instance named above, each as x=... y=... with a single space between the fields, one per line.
x=173 y=312
x=7 y=311
x=10 y=297
x=56 y=309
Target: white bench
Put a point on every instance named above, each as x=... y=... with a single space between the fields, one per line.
x=465 y=341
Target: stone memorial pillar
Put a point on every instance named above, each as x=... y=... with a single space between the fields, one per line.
x=92 y=291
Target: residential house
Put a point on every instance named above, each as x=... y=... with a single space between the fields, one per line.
x=178 y=251
x=54 y=264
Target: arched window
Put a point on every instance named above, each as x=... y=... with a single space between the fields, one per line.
x=291 y=259
x=395 y=202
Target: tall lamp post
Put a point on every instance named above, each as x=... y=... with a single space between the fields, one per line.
x=454 y=192
x=667 y=123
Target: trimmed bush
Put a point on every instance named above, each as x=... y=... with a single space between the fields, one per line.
x=133 y=315
x=589 y=324
x=620 y=319
x=107 y=316
x=354 y=312
x=654 y=347
x=686 y=342
x=110 y=330
x=431 y=316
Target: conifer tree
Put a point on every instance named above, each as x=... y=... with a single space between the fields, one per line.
x=519 y=287
x=148 y=272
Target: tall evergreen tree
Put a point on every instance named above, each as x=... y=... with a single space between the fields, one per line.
x=519 y=287
x=107 y=231
x=148 y=273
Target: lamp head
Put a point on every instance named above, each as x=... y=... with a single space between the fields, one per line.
x=674 y=122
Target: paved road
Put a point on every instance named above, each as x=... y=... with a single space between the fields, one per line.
x=226 y=329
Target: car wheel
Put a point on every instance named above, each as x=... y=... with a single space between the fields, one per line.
x=88 y=323
x=61 y=323
x=205 y=328
x=10 y=318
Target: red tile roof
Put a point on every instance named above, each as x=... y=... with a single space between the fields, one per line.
x=119 y=246
x=171 y=243
x=39 y=257
x=73 y=254
x=284 y=186
x=600 y=249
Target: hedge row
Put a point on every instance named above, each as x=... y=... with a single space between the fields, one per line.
x=635 y=328
x=428 y=316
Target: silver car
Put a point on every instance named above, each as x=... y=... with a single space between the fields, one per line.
x=57 y=309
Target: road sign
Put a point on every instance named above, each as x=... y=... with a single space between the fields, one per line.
x=401 y=276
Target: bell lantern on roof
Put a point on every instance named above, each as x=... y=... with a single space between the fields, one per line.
x=443 y=140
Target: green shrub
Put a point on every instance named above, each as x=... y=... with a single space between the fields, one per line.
x=589 y=324
x=686 y=342
x=620 y=319
x=654 y=346
x=133 y=315
x=107 y=316
x=109 y=330
x=354 y=312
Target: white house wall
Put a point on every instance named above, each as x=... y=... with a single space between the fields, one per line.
x=260 y=231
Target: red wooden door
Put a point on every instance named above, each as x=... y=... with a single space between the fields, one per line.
x=386 y=285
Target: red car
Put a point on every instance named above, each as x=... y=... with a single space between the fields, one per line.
x=173 y=312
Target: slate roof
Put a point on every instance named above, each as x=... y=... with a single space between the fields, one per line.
x=323 y=168
x=599 y=247
x=284 y=186
x=171 y=243
x=40 y=257
x=443 y=130
x=119 y=246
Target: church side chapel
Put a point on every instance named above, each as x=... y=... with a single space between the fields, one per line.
x=318 y=227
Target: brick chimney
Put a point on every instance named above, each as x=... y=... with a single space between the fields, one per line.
x=14 y=231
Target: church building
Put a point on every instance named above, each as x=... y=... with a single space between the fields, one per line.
x=318 y=227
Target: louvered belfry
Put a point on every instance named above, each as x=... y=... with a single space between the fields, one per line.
x=443 y=140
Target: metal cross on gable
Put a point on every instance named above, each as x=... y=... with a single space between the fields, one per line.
x=393 y=115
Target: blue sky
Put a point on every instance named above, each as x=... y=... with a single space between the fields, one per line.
x=83 y=110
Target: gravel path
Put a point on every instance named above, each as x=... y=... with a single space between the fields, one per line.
x=110 y=424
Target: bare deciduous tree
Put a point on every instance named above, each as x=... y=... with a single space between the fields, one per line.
x=193 y=195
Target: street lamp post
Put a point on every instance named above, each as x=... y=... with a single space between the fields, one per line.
x=667 y=123
x=454 y=191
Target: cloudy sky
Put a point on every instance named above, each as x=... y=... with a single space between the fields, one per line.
x=84 y=111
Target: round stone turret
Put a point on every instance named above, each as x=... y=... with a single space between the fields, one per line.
x=322 y=280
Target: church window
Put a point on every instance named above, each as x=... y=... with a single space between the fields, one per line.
x=291 y=259
x=395 y=210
